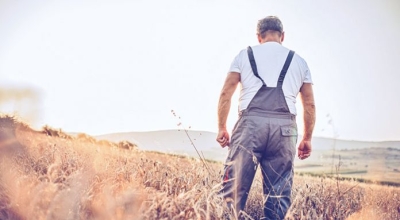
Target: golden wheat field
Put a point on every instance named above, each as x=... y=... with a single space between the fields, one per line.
x=48 y=174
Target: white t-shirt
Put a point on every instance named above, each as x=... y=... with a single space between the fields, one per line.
x=270 y=57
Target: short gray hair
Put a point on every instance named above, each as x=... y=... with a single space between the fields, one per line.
x=270 y=23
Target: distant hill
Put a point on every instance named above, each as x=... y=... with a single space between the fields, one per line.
x=174 y=142
x=328 y=144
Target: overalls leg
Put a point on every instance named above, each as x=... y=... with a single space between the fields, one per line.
x=277 y=169
x=242 y=162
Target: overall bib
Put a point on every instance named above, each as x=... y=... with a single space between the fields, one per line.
x=265 y=134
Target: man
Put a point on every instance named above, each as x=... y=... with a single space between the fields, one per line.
x=271 y=77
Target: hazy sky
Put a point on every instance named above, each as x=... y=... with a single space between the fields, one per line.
x=112 y=66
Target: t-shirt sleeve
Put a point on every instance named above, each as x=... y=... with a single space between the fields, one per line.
x=235 y=65
x=307 y=74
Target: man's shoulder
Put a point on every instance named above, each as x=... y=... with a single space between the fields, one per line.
x=241 y=55
x=299 y=59
x=243 y=52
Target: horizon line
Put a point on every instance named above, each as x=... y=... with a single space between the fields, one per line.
x=300 y=135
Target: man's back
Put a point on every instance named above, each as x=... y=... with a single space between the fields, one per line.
x=270 y=57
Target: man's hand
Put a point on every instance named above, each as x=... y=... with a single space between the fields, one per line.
x=223 y=138
x=304 y=149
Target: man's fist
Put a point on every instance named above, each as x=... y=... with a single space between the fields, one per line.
x=223 y=138
x=304 y=149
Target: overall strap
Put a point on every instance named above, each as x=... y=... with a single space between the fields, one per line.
x=253 y=64
x=285 y=68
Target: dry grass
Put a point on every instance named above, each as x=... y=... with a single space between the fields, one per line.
x=51 y=175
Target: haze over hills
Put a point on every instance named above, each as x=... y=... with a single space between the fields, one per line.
x=178 y=142
x=358 y=159
x=174 y=142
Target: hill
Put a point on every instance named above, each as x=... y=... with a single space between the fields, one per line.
x=174 y=142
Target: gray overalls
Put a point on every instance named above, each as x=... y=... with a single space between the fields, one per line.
x=265 y=133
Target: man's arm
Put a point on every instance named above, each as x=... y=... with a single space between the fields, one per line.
x=307 y=97
x=224 y=105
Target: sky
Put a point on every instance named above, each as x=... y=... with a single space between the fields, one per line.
x=117 y=66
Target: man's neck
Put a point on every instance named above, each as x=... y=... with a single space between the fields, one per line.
x=271 y=39
x=267 y=41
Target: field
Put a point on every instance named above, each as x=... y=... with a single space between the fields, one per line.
x=51 y=175
x=377 y=162
x=373 y=162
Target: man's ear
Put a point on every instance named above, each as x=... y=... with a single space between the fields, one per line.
x=282 y=36
x=259 y=38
